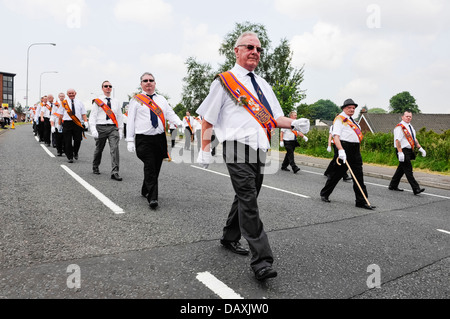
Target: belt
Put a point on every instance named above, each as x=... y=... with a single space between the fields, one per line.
x=106 y=124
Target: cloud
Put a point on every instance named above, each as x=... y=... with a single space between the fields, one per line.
x=324 y=48
x=151 y=13
x=361 y=90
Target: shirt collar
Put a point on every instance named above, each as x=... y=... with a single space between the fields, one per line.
x=241 y=71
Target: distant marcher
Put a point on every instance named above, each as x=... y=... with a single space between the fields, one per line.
x=347 y=138
x=46 y=113
x=288 y=140
x=405 y=140
x=56 y=123
x=106 y=123
x=188 y=124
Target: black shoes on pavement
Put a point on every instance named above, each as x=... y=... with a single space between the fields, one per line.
x=418 y=191
x=116 y=177
x=265 y=273
x=395 y=189
x=235 y=247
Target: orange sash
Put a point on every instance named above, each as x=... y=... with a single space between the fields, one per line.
x=352 y=125
x=243 y=96
x=144 y=99
x=107 y=110
x=408 y=136
x=189 y=123
x=73 y=117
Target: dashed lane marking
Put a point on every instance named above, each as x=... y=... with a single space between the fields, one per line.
x=218 y=287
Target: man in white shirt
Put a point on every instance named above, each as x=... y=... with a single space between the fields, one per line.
x=106 y=127
x=245 y=143
x=405 y=140
x=188 y=124
x=289 y=141
x=347 y=138
x=146 y=134
x=71 y=130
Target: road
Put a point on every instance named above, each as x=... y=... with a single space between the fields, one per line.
x=67 y=233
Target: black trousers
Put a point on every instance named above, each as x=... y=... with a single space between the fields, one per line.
x=245 y=166
x=47 y=130
x=59 y=138
x=355 y=161
x=330 y=167
x=406 y=169
x=289 y=158
x=151 y=150
x=72 y=133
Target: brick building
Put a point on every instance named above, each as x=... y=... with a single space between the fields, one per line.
x=7 y=89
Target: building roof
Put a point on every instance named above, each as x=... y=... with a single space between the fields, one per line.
x=385 y=123
x=8 y=74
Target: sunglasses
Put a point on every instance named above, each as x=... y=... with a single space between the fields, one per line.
x=252 y=47
x=148 y=80
x=107 y=86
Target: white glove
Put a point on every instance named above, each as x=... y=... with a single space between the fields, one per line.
x=424 y=153
x=204 y=158
x=329 y=149
x=342 y=156
x=301 y=125
x=281 y=144
x=131 y=147
x=53 y=129
x=401 y=157
x=120 y=134
x=305 y=138
x=94 y=134
x=86 y=125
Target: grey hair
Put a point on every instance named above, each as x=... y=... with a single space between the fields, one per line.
x=243 y=35
x=147 y=73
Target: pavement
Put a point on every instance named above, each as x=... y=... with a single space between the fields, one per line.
x=425 y=179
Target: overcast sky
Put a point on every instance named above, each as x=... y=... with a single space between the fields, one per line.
x=365 y=50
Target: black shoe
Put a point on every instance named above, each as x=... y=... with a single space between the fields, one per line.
x=96 y=171
x=366 y=206
x=70 y=161
x=59 y=154
x=395 y=189
x=265 y=273
x=75 y=156
x=417 y=192
x=235 y=247
x=153 y=204
x=325 y=199
x=296 y=170
x=116 y=177
x=285 y=169
x=347 y=178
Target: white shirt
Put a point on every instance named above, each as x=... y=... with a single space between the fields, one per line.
x=191 y=121
x=37 y=115
x=197 y=125
x=79 y=110
x=98 y=116
x=231 y=121
x=56 y=110
x=400 y=135
x=288 y=135
x=345 y=132
x=46 y=111
x=139 y=118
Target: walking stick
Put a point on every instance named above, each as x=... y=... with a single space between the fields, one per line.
x=354 y=178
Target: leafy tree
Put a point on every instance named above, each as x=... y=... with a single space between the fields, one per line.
x=403 y=101
x=377 y=110
x=324 y=110
x=197 y=83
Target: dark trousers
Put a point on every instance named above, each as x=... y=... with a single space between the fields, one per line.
x=407 y=169
x=245 y=166
x=173 y=135
x=108 y=133
x=40 y=128
x=72 y=133
x=59 y=141
x=151 y=150
x=289 y=158
x=355 y=161
x=47 y=131
x=333 y=163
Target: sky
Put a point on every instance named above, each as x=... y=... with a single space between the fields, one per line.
x=365 y=50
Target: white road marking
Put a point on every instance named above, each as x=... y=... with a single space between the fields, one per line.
x=270 y=187
x=105 y=200
x=218 y=287
x=444 y=231
x=47 y=151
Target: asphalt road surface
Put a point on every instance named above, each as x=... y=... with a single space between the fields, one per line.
x=67 y=233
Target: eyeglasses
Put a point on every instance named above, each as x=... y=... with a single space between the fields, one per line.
x=107 y=86
x=148 y=80
x=251 y=47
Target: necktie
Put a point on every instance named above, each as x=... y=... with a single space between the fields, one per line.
x=351 y=118
x=412 y=133
x=153 y=116
x=261 y=96
x=73 y=108
x=51 y=109
x=109 y=104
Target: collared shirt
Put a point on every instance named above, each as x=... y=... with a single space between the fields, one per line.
x=288 y=135
x=345 y=132
x=191 y=121
x=98 y=115
x=57 y=109
x=79 y=110
x=400 y=135
x=139 y=118
x=46 y=111
x=231 y=121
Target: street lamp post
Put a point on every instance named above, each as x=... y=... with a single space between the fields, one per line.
x=40 y=80
x=28 y=62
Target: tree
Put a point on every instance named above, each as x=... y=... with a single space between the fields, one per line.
x=377 y=110
x=403 y=101
x=324 y=110
x=197 y=82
